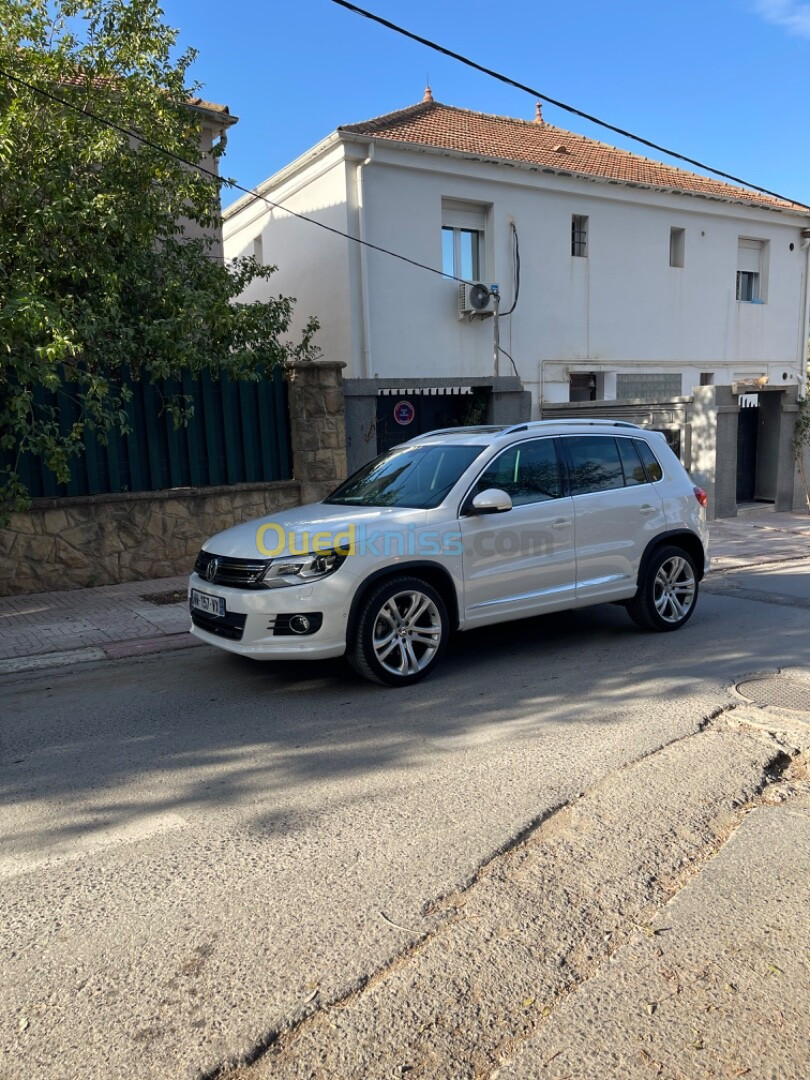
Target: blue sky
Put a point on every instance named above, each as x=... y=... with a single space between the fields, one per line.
x=723 y=81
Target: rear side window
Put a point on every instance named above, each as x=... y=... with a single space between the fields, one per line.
x=651 y=466
x=595 y=464
x=633 y=466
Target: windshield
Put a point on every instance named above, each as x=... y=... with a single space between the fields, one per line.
x=417 y=477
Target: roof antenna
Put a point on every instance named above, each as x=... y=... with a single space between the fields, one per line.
x=428 y=94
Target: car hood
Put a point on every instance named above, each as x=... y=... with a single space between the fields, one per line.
x=317 y=526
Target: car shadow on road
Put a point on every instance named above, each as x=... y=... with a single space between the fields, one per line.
x=199 y=730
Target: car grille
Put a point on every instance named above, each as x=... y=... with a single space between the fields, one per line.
x=237 y=573
x=230 y=625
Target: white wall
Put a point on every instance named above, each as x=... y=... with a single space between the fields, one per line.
x=623 y=308
x=314 y=265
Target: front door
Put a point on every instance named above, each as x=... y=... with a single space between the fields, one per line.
x=522 y=561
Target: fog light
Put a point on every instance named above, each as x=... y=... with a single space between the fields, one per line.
x=300 y=624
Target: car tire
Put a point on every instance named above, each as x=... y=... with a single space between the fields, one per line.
x=668 y=592
x=402 y=631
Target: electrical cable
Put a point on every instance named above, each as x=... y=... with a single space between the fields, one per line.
x=516 y=271
x=514 y=365
x=561 y=104
x=228 y=181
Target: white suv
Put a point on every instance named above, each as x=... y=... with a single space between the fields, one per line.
x=458 y=529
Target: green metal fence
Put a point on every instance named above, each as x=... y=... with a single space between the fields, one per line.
x=239 y=433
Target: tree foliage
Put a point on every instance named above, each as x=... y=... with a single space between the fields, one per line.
x=107 y=272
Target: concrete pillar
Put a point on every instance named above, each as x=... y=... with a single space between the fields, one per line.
x=703 y=425
x=317 y=426
x=728 y=409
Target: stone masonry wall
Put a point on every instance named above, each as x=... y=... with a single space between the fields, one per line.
x=317 y=426
x=106 y=539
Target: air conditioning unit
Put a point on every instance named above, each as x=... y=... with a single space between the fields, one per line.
x=474 y=298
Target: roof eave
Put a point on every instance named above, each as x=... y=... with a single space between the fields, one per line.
x=527 y=166
x=219 y=114
x=283 y=176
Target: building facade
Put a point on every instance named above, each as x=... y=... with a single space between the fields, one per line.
x=619 y=278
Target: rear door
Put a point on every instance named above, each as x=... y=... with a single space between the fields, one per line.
x=616 y=513
x=521 y=561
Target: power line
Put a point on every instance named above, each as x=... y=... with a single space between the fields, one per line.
x=559 y=104
x=88 y=114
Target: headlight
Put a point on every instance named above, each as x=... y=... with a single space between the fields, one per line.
x=297 y=569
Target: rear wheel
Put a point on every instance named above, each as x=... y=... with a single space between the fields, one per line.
x=401 y=632
x=668 y=592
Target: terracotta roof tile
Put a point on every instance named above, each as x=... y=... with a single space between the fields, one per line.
x=536 y=143
x=80 y=81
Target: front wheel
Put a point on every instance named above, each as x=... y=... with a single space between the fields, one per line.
x=668 y=592
x=401 y=632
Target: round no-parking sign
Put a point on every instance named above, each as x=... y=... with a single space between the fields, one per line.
x=404 y=413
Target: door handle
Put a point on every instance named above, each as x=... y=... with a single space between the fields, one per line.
x=562 y=523
x=647 y=509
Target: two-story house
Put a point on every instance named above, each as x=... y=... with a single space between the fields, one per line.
x=619 y=277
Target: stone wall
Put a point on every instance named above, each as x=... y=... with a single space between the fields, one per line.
x=317 y=426
x=105 y=539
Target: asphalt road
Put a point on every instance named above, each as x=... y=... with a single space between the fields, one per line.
x=197 y=850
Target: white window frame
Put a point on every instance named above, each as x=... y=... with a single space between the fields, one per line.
x=751 y=266
x=460 y=220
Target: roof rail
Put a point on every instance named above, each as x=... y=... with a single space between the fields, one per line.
x=568 y=420
x=474 y=429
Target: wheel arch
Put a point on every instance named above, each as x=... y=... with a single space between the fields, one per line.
x=432 y=573
x=688 y=541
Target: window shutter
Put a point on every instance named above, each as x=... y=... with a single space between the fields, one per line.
x=749 y=256
x=463 y=216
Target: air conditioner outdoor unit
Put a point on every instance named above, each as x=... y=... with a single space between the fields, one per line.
x=474 y=298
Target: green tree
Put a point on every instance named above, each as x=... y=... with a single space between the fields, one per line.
x=104 y=278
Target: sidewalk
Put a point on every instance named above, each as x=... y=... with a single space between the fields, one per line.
x=113 y=621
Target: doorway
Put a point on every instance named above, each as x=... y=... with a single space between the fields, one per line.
x=403 y=414
x=747 y=432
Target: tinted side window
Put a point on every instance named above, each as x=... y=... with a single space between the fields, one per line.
x=653 y=469
x=528 y=473
x=633 y=467
x=595 y=463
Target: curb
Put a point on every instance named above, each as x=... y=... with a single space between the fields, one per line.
x=115 y=650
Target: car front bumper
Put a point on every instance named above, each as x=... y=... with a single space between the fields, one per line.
x=254 y=621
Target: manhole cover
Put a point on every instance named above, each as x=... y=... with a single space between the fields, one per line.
x=778 y=691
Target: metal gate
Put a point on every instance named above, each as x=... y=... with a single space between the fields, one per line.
x=403 y=414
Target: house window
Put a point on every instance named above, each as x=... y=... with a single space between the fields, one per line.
x=750 y=258
x=677 y=246
x=579 y=235
x=258 y=249
x=463 y=233
x=649 y=386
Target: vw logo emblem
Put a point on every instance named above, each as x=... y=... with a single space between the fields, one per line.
x=211 y=569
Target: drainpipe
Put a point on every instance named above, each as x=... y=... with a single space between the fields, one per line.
x=365 y=316
x=804 y=314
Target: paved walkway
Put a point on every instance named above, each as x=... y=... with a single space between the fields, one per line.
x=112 y=621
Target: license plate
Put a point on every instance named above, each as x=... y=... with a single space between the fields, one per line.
x=211 y=605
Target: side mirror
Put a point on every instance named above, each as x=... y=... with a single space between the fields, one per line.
x=491 y=501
